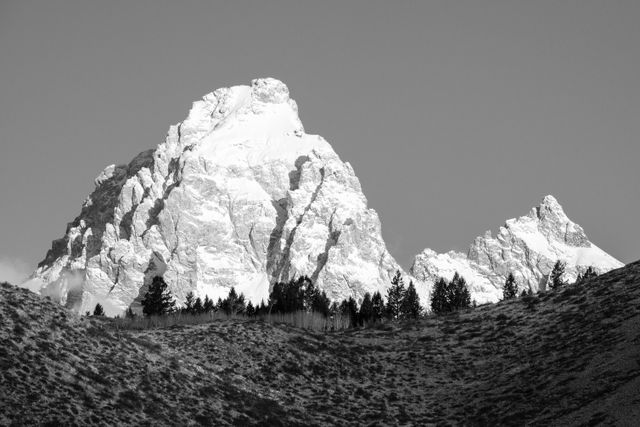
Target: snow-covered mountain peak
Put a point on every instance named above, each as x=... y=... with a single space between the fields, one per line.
x=527 y=246
x=237 y=195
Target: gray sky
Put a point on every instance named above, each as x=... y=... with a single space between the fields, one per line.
x=454 y=115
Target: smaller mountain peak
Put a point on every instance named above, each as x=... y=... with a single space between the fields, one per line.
x=550 y=207
x=269 y=90
x=550 y=202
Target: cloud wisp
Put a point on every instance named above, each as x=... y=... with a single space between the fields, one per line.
x=13 y=270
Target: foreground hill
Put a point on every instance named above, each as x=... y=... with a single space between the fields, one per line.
x=567 y=357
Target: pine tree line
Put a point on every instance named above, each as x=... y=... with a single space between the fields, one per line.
x=448 y=296
x=301 y=295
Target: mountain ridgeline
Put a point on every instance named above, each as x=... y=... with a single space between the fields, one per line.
x=240 y=196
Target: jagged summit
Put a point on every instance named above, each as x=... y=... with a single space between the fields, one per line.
x=238 y=195
x=527 y=246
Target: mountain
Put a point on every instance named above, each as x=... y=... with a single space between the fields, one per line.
x=238 y=195
x=528 y=247
x=566 y=357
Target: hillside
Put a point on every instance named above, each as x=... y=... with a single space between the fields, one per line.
x=568 y=357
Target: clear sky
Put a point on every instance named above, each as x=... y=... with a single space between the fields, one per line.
x=456 y=115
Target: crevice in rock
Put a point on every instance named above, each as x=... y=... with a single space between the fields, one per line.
x=332 y=240
x=281 y=272
x=273 y=249
x=294 y=175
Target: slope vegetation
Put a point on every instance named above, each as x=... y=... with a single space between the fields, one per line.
x=567 y=357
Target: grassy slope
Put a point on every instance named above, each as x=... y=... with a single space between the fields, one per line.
x=566 y=357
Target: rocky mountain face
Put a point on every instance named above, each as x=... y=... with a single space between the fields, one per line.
x=528 y=247
x=238 y=195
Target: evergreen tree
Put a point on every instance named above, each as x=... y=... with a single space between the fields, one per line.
x=158 y=299
x=589 y=274
x=510 y=288
x=262 y=309
x=320 y=303
x=555 y=278
x=523 y=293
x=188 y=303
x=395 y=293
x=198 y=307
x=208 y=305
x=366 y=309
x=410 y=304
x=98 y=311
x=310 y=293
x=334 y=309
x=349 y=308
x=250 y=311
x=218 y=306
x=378 y=308
x=129 y=314
x=439 y=302
x=460 y=297
x=234 y=303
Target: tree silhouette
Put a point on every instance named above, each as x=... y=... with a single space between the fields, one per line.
x=589 y=274
x=188 y=303
x=158 y=299
x=198 y=307
x=234 y=303
x=410 y=304
x=510 y=288
x=208 y=305
x=366 y=309
x=439 y=303
x=459 y=294
x=555 y=277
x=450 y=296
x=395 y=293
x=250 y=311
x=378 y=308
x=98 y=311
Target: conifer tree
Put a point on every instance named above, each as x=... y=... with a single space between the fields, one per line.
x=188 y=303
x=334 y=308
x=378 y=308
x=589 y=274
x=198 y=307
x=439 y=302
x=158 y=299
x=366 y=309
x=310 y=294
x=349 y=308
x=250 y=311
x=234 y=303
x=395 y=293
x=510 y=288
x=460 y=295
x=320 y=303
x=555 y=278
x=208 y=305
x=129 y=314
x=98 y=311
x=410 y=304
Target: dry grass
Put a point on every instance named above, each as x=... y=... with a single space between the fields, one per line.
x=568 y=357
x=311 y=321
